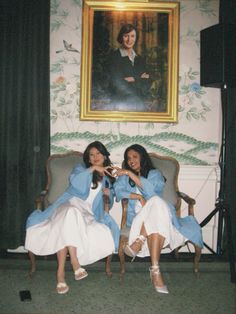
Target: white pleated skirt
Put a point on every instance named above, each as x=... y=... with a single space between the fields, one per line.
x=156 y=217
x=72 y=224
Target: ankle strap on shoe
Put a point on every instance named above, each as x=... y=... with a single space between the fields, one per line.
x=141 y=238
x=155 y=269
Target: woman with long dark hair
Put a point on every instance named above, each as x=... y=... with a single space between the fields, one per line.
x=76 y=222
x=153 y=222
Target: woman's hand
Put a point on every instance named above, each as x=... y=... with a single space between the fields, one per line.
x=138 y=197
x=144 y=75
x=117 y=172
x=142 y=200
x=124 y=172
x=102 y=170
x=129 y=79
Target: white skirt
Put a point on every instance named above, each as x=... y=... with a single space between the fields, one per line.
x=72 y=224
x=156 y=217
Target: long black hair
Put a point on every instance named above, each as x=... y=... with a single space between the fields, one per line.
x=107 y=162
x=145 y=160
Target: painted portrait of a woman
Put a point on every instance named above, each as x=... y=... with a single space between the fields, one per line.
x=129 y=70
x=129 y=79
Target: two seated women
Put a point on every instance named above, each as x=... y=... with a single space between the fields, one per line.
x=76 y=223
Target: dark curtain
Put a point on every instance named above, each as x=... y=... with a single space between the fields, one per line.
x=227 y=14
x=230 y=165
x=24 y=112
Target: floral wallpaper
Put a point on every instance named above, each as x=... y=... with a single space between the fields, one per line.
x=194 y=140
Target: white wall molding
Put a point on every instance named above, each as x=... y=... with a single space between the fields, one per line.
x=202 y=183
x=198 y=172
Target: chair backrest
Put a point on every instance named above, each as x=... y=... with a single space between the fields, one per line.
x=59 y=167
x=169 y=167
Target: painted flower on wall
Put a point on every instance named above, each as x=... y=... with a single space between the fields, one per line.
x=190 y=92
x=60 y=80
x=195 y=87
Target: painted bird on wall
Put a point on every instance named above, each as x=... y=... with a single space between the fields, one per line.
x=67 y=47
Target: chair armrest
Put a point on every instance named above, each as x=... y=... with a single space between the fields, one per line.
x=124 y=203
x=40 y=200
x=106 y=203
x=190 y=201
x=186 y=198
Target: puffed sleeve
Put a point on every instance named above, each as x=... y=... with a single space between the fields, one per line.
x=153 y=184
x=121 y=188
x=81 y=179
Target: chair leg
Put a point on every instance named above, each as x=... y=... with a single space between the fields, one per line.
x=32 y=262
x=108 y=266
x=176 y=253
x=123 y=242
x=197 y=257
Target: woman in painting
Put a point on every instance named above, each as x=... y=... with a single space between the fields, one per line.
x=154 y=224
x=76 y=223
x=129 y=79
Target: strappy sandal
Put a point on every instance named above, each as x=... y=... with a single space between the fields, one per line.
x=80 y=273
x=130 y=252
x=155 y=271
x=62 y=288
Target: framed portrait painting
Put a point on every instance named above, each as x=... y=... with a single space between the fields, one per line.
x=129 y=61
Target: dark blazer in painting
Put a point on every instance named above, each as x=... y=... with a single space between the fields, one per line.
x=127 y=96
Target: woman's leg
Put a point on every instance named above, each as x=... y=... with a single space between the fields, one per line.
x=136 y=246
x=155 y=244
x=79 y=272
x=73 y=258
x=61 y=260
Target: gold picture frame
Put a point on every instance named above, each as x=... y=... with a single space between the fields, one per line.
x=150 y=94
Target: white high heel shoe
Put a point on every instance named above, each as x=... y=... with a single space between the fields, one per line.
x=130 y=252
x=155 y=271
